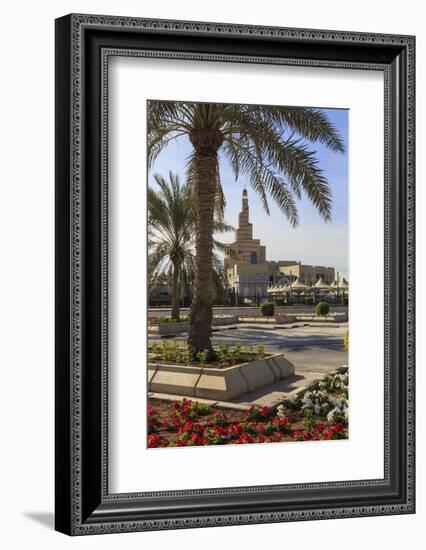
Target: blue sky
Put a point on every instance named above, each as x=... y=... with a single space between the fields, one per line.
x=313 y=241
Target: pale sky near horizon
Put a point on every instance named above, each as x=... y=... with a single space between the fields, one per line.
x=313 y=241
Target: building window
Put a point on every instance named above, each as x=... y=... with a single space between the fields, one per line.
x=253 y=258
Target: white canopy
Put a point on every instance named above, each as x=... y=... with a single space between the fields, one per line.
x=280 y=286
x=321 y=284
x=298 y=285
x=344 y=284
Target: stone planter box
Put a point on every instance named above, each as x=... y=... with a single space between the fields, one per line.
x=279 y=319
x=337 y=317
x=218 y=384
x=341 y=317
x=183 y=326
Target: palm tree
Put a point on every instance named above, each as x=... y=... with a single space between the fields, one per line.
x=171 y=236
x=269 y=144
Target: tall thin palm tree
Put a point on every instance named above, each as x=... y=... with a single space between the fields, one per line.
x=268 y=144
x=171 y=236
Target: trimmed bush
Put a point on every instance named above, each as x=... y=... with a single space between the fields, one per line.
x=322 y=308
x=267 y=309
x=279 y=301
x=346 y=341
x=309 y=300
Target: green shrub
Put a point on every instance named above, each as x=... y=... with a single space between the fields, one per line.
x=260 y=351
x=165 y=350
x=202 y=356
x=236 y=352
x=346 y=341
x=322 y=308
x=165 y=320
x=279 y=301
x=185 y=356
x=154 y=348
x=309 y=300
x=223 y=353
x=267 y=309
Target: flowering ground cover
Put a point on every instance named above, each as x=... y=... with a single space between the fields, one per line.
x=317 y=415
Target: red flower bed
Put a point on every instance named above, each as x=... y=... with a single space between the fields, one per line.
x=189 y=423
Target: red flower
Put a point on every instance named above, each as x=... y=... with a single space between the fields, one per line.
x=265 y=412
x=275 y=437
x=155 y=440
x=236 y=429
x=196 y=439
x=245 y=438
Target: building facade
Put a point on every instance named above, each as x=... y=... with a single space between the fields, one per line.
x=309 y=274
x=248 y=272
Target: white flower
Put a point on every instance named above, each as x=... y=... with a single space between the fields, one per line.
x=332 y=414
x=280 y=411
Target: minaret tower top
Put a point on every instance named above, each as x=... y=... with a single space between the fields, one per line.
x=245 y=228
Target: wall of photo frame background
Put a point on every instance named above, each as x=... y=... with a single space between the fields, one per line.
x=27 y=275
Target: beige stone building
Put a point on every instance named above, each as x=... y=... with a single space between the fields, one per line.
x=248 y=272
x=310 y=274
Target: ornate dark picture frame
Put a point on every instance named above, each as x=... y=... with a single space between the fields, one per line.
x=83 y=45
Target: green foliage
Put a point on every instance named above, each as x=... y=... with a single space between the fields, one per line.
x=202 y=356
x=309 y=300
x=254 y=414
x=322 y=308
x=166 y=320
x=185 y=355
x=257 y=141
x=279 y=300
x=236 y=352
x=293 y=403
x=346 y=341
x=171 y=238
x=260 y=351
x=165 y=350
x=174 y=351
x=268 y=429
x=203 y=408
x=267 y=309
x=178 y=352
x=308 y=419
x=223 y=353
x=154 y=348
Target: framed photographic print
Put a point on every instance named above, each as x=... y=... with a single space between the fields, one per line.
x=234 y=274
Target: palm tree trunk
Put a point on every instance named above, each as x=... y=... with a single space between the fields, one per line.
x=175 y=292
x=206 y=144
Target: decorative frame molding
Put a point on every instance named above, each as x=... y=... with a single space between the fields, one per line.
x=84 y=44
